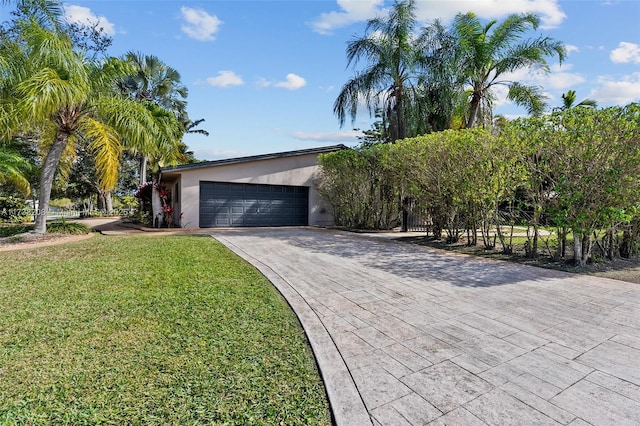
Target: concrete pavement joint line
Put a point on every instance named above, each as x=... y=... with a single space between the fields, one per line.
x=345 y=400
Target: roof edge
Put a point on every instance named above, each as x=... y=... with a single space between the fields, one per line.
x=202 y=164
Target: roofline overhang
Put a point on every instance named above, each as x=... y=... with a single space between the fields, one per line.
x=237 y=160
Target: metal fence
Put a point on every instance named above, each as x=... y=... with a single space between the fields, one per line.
x=415 y=217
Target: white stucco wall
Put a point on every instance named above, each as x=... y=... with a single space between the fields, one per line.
x=299 y=170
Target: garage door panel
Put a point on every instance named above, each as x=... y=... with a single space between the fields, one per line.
x=224 y=204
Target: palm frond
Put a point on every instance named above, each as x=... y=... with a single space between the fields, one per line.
x=65 y=166
x=511 y=29
x=530 y=97
x=45 y=92
x=104 y=143
x=130 y=119
x=48 y=13
x=13 y=169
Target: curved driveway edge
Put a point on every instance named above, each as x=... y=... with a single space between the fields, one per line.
x=345 y=401
x=409 y=335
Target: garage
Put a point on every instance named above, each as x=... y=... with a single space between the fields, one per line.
x=275 y=189
x=226 y=204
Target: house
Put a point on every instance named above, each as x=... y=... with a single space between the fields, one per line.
x=262 y=190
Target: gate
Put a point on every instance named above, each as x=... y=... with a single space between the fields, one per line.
x=415 y=217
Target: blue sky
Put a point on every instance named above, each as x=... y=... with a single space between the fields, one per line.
x=264 y=74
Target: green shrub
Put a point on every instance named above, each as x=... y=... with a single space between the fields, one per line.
x=13 y=210
x=10 y=230
x=361 y=187
x=125 y=202
x=64 y=227
x=61 y=203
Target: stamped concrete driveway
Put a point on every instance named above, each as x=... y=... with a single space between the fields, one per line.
x=408 y=335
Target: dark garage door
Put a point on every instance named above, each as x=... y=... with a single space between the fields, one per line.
x=225 y=204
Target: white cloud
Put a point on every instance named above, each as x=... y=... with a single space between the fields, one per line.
x=558 y=77
x=292 y=82
x=345 y=136
x=625 y=53
x=512 y=117
x=571 y=48
x=549 y=11
x=351 y=11
x=617 y=91
x=500 y=93
x=263 y=82
x=84 y=15
x=225 y=79
x=217 y=154
x=199 y=24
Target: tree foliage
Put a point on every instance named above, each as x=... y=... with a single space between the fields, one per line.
x=435 y=78
x=359 y=185
x=13 y=169
x=576 y=170
x=387 y=80
x=63 y=95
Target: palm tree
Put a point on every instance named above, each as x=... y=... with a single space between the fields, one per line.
x=569 y=101
x=440 y=84
x=56 y=90
x=388 y=79
x=154 y=82
x=190 y=127
x=490 y=51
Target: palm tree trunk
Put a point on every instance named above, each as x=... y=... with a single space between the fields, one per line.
x=402 y=127
x=143 y=170
x=108 y=202
x=46 y=181
x=474 y=108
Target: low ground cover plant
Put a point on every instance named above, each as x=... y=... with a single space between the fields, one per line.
x=64 y=227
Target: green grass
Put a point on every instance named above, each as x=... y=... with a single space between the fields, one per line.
x=149 y=330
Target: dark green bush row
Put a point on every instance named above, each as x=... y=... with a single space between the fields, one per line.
x=577 y=170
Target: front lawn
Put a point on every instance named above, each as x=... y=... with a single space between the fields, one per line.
x=149 y=330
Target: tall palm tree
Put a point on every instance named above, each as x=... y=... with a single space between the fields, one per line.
x=440 y=84
x=154 y=82
x=56 y=90
x=492 y=50
x=387 y=82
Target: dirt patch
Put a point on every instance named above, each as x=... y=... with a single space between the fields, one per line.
x=618 y=269
x=29 y=240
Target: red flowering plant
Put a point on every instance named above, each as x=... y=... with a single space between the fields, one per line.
x=165 y=200
x=143 y=194
x=167 y=211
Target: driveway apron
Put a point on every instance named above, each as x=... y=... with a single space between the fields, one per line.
x=409 y=335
